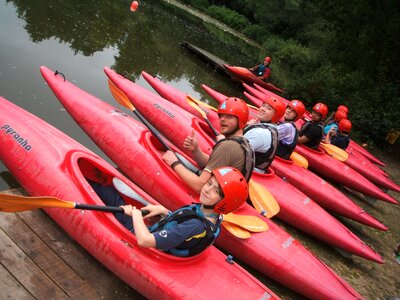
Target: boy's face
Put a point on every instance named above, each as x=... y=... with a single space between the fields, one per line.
x=210 y=193
x=290 y=114
x=315 y=116
x=265 y=113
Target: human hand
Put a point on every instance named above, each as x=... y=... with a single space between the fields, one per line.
x=219 y=137
x=191 y=142
x=169 y=157
x=252 y=122
x=155 y=210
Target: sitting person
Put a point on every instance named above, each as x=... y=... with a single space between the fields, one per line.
x=339 y=115
x=312 y=132
x=330 y=119
x=262 y=132
x=287 y=130
x=262 y=71
x=190 y=229
x=339 y=137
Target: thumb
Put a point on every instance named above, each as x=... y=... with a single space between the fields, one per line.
x=193 y=133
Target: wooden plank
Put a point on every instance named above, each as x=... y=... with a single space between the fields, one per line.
x=45 y=258
x=19 y=265
x=10 y=287
x=71 y=254
x=106 y=284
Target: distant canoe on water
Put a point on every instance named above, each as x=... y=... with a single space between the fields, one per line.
x=240 y=74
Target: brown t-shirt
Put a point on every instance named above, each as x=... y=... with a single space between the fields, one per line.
x=226 y=153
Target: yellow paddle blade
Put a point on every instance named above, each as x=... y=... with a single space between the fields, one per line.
x=250 y=223
x=14 y=203
x=119 y=96
x=299 y=160
x=236 y=230
x=335 y=152
x=262 y=200
x=192 y=102
x=202 y=104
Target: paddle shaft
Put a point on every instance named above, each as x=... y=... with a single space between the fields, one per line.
x=112 y=209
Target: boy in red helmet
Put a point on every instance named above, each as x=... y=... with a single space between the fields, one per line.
x=233 y=150
x=262 y=132
x=262 y=71
x=312 y=132
x=190 y=229
x=287 y=130
x=339 y=136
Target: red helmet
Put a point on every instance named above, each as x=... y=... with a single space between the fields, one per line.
x=339 y=115
x=322 y=109
x=237 y=107
x=345 y=125
x=298 y=107
x=279 y=107
x=234 y=188
x=268 y=59
x=344 y=108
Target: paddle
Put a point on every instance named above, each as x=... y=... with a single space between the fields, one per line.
x=122 y=99
x=236 y=230
x=251 y=223
x=299 y=160
x=335 y=152
x=14 y=203
x=194 y=104
x=264 y=199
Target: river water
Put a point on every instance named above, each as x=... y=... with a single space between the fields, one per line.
x=79 y=38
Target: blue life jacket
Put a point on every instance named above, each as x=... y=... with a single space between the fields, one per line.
x=261 y=69
x=181 y=215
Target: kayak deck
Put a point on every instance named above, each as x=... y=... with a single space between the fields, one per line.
x=34 y=252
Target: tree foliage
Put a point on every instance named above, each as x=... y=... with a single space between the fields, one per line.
x=339 y=52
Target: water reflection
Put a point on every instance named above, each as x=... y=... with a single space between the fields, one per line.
x=78 y=38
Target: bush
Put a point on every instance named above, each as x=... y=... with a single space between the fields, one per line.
x=229 y=17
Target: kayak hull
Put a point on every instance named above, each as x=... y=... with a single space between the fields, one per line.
x=274 y=252
x=180 y=98
x=323 y=164
x=245 y=75
x=322 y=192
x=57 y=166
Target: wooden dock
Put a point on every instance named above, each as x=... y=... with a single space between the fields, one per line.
x=38 y=260
x=215 y=61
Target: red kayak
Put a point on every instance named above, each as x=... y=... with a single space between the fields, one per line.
x=138 y=153
x=353 y=146
x=263 y=95
x=296 y=208
x=322 y=192
x=179 y=98
x=254 y=100
x=370 y=171
x=322 y=163
x=310 y=184
x=217 y=96
x=46 y=162
x=247 y=76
